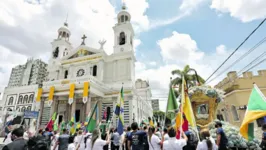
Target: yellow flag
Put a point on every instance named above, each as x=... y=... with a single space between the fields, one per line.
x=178 y=122
x=186 y=104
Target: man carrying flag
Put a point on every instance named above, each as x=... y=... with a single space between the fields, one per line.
x=50 y=124
x=119 y=111
x=256 y=109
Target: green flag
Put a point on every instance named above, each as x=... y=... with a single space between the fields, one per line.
x=93 y=119
x=62 y=126
x=172 y=106
x=256 y=109
x=55 y=127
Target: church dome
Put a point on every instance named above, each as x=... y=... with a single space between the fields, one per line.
x=64 y=32
x=64 y=28
x=123 y=16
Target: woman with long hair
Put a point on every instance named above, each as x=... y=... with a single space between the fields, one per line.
x=96 y=143
x=207 y=142
x=153 y=140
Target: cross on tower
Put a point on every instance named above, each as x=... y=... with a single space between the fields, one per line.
x=83 y=38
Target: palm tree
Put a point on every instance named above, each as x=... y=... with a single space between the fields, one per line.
x=191 y=79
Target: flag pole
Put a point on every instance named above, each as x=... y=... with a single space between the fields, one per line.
x=181 y=107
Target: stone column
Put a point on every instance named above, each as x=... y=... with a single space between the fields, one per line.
x=88 y=106
x=73 y=107
x=40 y=113
x=54 y=106
x=100 y=109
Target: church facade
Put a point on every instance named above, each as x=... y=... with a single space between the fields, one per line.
x=79 y=77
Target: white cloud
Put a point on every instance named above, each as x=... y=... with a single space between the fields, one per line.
x=153 y=63
x=179 y=47
x=186 y=8
x=244 y=10
x=221 y=49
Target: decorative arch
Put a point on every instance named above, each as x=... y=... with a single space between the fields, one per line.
x=25 y=100
x=234 y=113
x=94 y=70
x=122 y=38
x=29 y=108
x=20 y=99
x=23 y=109
x=31 y=98
x=10 y=101
x=18 y=109
x=126 y=18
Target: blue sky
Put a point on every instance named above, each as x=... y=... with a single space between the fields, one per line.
x=169 y=33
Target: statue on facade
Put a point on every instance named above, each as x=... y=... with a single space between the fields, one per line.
x=102 y=42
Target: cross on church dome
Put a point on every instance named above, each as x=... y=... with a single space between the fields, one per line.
x=83 y=38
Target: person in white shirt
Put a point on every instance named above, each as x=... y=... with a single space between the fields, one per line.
x=79 y=140
x=153 y=140
x=207 y=143
x=173 y=143
x=165 y=135
x=71 y=144
x=96 y=143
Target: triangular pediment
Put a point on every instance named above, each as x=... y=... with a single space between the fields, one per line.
x=81 y=52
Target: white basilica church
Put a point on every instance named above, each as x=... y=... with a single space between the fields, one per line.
x=78 y=77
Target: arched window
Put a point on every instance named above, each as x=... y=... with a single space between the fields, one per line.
x=234 y=112
x=94 y=70
x=126 y=18
x=66 y=74
x=9 y=109
x=122 y=38
x=31 y=98
x=122 y=18
x=18 y=109
x=56 y=52
x=23 y=109
x=25 y=99
x=20 y=99
x=29 y=108
x=10 y=101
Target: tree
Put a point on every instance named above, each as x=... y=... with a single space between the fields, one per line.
x=159 y=115
x=191 y=79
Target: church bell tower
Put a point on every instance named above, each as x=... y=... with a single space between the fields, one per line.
x=61 y=45
x=123 y=32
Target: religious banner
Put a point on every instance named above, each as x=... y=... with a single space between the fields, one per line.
x=71 y=94
x=39 y=95
x=51 y=96
x=86 y=91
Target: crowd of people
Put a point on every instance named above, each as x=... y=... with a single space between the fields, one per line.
x=133 y=138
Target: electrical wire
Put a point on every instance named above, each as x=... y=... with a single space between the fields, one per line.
x=236 y=49
x=238 y=75
x=239 y=59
